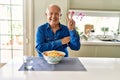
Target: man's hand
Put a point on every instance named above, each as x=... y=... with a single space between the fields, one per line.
x=65 y=40
x=71 y=22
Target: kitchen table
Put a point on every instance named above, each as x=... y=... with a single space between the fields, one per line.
x=97 y=69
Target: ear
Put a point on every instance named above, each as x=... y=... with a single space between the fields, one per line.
x=45 y=14
x=60 y=14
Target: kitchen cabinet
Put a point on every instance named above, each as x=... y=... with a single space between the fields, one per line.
x=108 y=51
x=85 y=51
x=96 y=51
x=95 y=5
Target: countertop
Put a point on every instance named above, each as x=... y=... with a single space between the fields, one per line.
x=97 y=69
x=99 y=42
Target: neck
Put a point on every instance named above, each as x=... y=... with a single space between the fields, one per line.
x=55 y=28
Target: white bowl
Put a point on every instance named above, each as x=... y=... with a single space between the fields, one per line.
x=53 y=59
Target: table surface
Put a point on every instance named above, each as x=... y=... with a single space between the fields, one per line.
x=97 y=69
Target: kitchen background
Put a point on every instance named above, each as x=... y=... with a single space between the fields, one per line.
x=31 y=13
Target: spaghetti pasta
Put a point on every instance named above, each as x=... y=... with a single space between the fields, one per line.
x=53 y=53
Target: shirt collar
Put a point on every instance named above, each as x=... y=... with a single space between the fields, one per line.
x=48 y=26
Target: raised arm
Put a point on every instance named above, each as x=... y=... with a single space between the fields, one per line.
x=74 y=43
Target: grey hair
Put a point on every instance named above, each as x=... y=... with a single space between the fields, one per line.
x=51 y=5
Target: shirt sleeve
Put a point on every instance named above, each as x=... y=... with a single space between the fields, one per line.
x=74 y=40
x=41 y=45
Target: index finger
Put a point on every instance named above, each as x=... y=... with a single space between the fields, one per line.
x=70 y=15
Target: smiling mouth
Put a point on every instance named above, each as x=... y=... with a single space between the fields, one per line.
x=53 y=20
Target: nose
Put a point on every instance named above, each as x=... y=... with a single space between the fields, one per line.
x=54 y=15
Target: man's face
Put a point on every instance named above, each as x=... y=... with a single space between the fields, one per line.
x=53 y=15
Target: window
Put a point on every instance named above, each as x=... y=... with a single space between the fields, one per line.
x=11 y=29
x=99 y=20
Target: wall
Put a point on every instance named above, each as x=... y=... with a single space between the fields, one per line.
x=29 y=28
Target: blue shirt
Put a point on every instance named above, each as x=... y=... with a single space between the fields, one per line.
x=47 y=40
